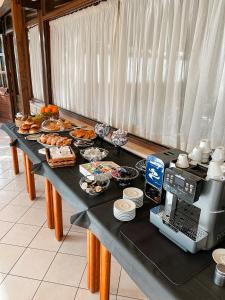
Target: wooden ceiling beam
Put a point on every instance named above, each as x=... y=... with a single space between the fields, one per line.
x=69 y=7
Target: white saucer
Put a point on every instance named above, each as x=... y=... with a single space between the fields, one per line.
x=219 y=256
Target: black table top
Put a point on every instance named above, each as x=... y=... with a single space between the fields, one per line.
x=101 y=222
x=66 y=180
x=96 y=214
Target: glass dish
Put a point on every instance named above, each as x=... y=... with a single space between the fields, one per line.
x=94 y=185
x=83 y=143
x=52 y=125
x=124 y=175
x=94 y=153
x=141 y=166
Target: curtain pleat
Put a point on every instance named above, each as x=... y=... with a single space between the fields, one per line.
x=152 y=67
x=35 y=63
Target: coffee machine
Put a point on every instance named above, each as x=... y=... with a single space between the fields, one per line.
x=154 y=176
x=193 y=216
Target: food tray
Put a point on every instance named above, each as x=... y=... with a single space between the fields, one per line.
x=60 y=162
x=81 y=138
x=29 y=133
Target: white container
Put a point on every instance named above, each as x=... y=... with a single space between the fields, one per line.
x=214 y=170
x=219 y=154
x=134 y=194
x=182 y=161
x=196 y=154
x=205 y=146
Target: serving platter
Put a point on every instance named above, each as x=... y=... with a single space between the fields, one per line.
x=82 y=138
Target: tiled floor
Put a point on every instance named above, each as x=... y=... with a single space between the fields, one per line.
x=33 y=265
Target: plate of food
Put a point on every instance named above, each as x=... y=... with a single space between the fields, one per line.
x=28 y=127
x=58 y=125
x=94 y=153
x=124 y=175
x=53 y=139
x=83 y=133
x=94 y=184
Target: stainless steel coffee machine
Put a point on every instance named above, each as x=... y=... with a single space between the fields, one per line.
x=193 y=216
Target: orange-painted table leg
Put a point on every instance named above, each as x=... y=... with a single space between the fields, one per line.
x=57 y=208
x=30 y=180
x=93 y=256
x=15 y=159
x=49 y=204
x=25 y=171
x=105 y=264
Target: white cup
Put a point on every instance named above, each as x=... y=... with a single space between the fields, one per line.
x=182 y=161
x=205 y=146
x=214 y=170
x=219 y=154
x=196 y=154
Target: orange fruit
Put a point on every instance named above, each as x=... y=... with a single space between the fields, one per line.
x=42 y=110
x=55 y=109
x=47 y=110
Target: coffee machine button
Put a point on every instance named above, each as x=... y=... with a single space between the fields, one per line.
x=187 y=184
x=191 y=186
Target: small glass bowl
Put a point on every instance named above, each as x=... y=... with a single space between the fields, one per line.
x=94 y=185
x=124 y=175
x=141 y=166
x=94 y=153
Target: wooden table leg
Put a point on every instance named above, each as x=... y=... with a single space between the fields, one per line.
x=105 y=264
x=57 y=208
x=49 y=204
x=15 y=159
x=30 y=179
x=25 y=171
x=93 y=256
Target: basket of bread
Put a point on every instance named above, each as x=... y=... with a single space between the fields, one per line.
x=60 y=157
x=82 y=133
x=54 y=139
x=29 y=127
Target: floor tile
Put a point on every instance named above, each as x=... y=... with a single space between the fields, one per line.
x=66 y=269
x=7 y=174
x=78 y=229
x=86 y=295
x=8 y=196
x=74 y=243
x=128 y=288
x=12 y=213
x=53 y=291
x=34 y=216
x=5 y=227
x=2 y=276
x=20 y=235
x=33 y=263
x=4 y=182
x=22 y=199
x=45 y=240
x=39 y=202
x=18 y=288
x=114 y=277
x=14 y=186
x=8 y=256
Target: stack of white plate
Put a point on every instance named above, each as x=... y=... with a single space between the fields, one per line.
x=124 y=210
x=134 y=194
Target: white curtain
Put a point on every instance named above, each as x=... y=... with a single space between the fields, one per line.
x=153 y=67
x=82 y=46
x=36 y=62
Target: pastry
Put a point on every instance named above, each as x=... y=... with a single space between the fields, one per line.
x=33 y=130
x=23 y=131
x=54 y=139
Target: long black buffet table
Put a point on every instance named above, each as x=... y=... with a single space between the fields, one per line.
x=145 y=273
x=96 y=214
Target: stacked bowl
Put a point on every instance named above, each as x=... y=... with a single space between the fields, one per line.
x=134 y=194
x=124 y=210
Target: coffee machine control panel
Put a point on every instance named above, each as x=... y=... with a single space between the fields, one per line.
x=184 y=185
